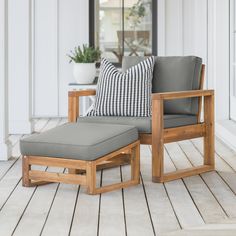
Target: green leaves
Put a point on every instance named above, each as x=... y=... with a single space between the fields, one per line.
x=136 y=13
x=85 y=55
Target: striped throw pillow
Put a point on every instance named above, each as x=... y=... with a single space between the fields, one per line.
x=124 y=94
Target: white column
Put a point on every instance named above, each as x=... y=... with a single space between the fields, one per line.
x=5 y=147
x=219 y=55
x=20 y=66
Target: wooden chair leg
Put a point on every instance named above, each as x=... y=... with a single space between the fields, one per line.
x=209 y=138
x=26 y=182
x=158 y=174
x=157 y=141
x=91 y=177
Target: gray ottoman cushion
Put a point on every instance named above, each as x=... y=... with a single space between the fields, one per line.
x=143 y=124
x=174 y=74
x=83 y=141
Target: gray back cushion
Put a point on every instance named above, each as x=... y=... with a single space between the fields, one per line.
x=174 y=74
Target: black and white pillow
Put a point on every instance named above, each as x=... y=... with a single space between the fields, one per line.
x=124 y=94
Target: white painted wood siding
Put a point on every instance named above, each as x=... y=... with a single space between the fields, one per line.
x=59 y=25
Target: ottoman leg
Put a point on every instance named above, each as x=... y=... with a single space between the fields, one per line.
x=25 y=172
x=134 y=150
x=135 y=164
x=91 y=177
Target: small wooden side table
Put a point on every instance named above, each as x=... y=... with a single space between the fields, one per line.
x=85 y=102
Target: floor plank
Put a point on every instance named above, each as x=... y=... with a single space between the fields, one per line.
x=87 y=210
x=5 y=166
x=158 y=201
x=136 y=208
x=60 y=216
x=181 y=199
x=228 y=155
x=112 y=221
x=38 y=208
x=203 y=232
x=41 y=124
x=14 y=207
x=225 y=171
x=205 y=201
x=9 y=182
x=216 y=182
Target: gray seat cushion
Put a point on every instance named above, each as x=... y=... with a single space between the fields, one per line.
x=83 y=141
x=143 y=124
x=174 y=74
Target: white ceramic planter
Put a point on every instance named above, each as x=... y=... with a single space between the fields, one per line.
x=84 y=73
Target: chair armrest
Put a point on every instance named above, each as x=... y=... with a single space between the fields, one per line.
x=82 y=93
x=73 y=102
x=182 y=94
x=158 y=107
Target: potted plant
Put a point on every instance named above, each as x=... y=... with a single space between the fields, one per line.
x=84 y=68
x=136 y=13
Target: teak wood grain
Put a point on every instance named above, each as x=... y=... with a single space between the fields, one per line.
x=57 y=177
x=158 y=141
x=159 y=135
x=73 y=102
x=205 y=130
x=209 y=138
x=88 y=177
x=181 y=94
x=176 y=134
x=66 y=163
x=202 y=78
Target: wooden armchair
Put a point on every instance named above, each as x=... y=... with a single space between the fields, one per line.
x=160 y=135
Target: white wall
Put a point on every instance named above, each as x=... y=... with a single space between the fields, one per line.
x=59 y=25
x=5 y=146
x=184 y=26
x=219 y=55
x=201 y=28
x=19 y=66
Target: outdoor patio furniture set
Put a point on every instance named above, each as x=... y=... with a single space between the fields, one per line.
x=91 y=143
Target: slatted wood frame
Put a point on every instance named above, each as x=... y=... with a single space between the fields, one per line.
x=88 y=178
x=160 y=135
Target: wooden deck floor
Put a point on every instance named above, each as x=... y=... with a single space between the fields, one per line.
x=200 y=203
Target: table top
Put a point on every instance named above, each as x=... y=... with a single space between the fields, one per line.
x=76 y=86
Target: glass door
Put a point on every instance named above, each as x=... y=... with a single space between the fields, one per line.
x=233 y=61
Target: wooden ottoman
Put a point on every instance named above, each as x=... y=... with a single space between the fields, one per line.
x=81 y=146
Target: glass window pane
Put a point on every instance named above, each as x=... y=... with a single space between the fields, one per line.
x=108 y=22
x=137 y=27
